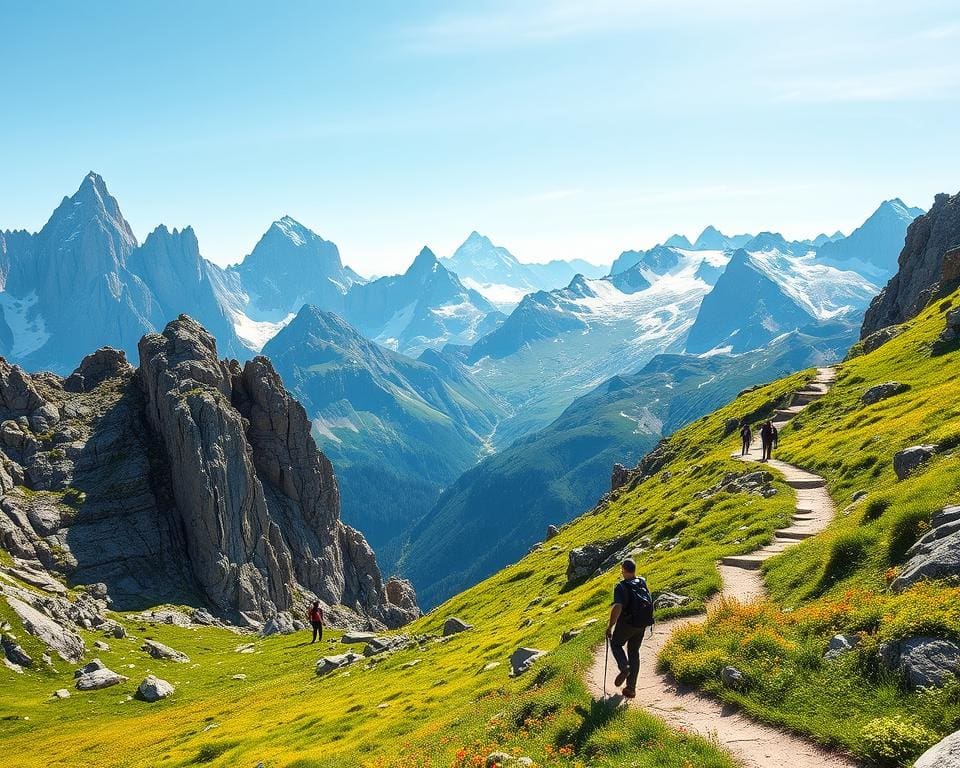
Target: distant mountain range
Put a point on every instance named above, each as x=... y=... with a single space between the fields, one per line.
x=497 y=274
x=873 y=247
x=413 y=382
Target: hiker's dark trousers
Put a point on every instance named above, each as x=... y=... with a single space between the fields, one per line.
x=767 y=449
x=317 y=631
x=745 y=449
x=628 y=661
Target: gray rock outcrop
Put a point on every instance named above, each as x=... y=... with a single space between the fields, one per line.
x=841 y=644
x=200 y=477
x=936 y=555
x=281 y=624
x=65 y=643
x=453 y=626
x=882 y=391
x=944 y=754
x=164 y=652
x=909 y=459
x=523 y=658
x=731 y=677
x=153 y=689
x=96 y=675
x=14 y=652
x=921 y=264
x=329 y=664
x=619 y=476
x=924 y=662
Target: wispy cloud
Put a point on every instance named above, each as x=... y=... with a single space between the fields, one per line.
x=551 y=195
x=504 y=25
x=926 y=84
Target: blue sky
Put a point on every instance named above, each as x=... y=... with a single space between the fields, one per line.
x=560 y=128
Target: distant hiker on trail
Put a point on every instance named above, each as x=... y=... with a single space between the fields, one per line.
x=630 y=614
x=776 y=436
x=746 y=435
x=315 y=615
x=767 y=435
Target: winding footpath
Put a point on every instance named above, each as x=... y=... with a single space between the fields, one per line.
x=753 y=744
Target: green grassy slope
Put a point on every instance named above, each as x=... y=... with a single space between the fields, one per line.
x=837 y=582
x=450 y=706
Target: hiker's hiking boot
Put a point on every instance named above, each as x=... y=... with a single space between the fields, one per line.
x=620 y=678
x=629 y=693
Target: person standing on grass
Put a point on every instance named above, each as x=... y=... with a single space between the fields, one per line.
x=746 y=436
x=630 y=615
x=315 y=616
x=767 y=433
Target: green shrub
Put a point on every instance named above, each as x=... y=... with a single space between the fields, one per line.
x=875 y=509
x=909 y=526
x=895 y=740
x=848 y=551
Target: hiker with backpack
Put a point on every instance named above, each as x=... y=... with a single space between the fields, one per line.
x=767 y=433
x=315 y=616
x=746 y=436
x=630 y=615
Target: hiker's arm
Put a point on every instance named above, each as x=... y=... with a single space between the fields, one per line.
x=615 y=610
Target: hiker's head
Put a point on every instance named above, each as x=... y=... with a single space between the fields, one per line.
x=628 y=568
x=316 y=603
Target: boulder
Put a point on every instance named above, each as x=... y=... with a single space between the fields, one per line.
x=731 y=677
x=453 y=626
x=936 y=555
x=61 y=693
x=99 y=678
x=385 y=644
x=583 y=562
x=14 y=652
x=357 y=637
x=105 y=363
x=619 y=476
x=882 y=391
x=504 y=760
x=909 y=459
x=281 y=624
x=841 y=644
x=153 y=689
x=99 y=645
x=65 y=643
x=670 y=600
x=164 y=652
x=943 y=754
x=523 y=658
x=951 y=332
x=552 y=531
x=402 y=595
x=91 y=666
x=924 y=662
x=329 y=664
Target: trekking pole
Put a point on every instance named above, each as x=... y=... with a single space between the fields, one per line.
x=606 y=657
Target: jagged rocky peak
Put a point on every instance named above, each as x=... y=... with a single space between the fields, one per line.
x=426 y=261
x=920 y=272
x=191 y=480
x=92 y=206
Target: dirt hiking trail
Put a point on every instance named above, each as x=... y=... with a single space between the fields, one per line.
x=751 y=743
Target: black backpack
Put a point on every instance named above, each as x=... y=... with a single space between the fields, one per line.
x=638 y=612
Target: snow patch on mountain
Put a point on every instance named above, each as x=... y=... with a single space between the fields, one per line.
x=28 y=328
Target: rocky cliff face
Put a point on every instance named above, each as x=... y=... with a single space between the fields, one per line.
x=190 y=480
x=920 y=272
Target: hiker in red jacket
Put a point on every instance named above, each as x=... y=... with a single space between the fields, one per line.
x=315 y=616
